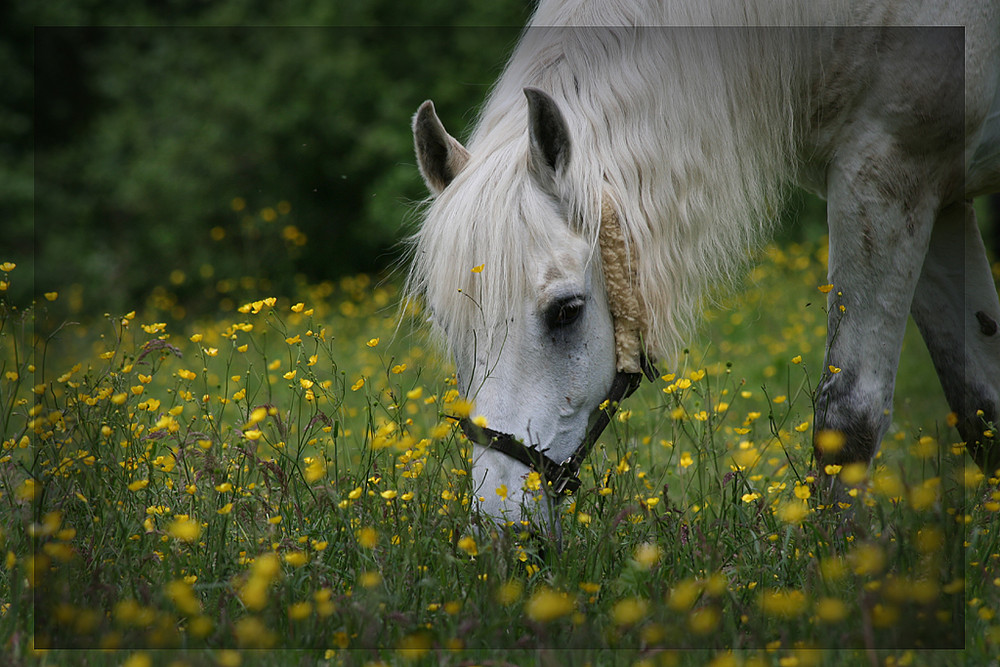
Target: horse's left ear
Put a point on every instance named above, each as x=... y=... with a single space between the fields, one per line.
x=549 y=139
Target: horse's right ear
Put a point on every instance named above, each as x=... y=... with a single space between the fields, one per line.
x=439 y=155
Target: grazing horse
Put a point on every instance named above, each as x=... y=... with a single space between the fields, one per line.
x=618 y=170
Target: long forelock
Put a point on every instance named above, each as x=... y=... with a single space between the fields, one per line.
x=492 y=216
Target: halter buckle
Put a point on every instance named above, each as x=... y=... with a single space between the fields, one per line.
x=567 y=482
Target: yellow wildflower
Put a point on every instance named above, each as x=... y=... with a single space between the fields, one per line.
x=184 y=529
x=782 y=603
x=547 y=605
x=300 y=611
x=629 y=611
x=830 y=442
x=369 y=579
x=509 y=592
x=646 y=555
x=296 y=558
x=469 y=546
x=368 y=537
x=831 y=610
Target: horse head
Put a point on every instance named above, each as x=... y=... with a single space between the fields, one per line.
x=540 y=317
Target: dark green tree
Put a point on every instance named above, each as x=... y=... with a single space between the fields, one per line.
x=196 y=156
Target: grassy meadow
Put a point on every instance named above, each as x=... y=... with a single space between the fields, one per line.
x=280 y=484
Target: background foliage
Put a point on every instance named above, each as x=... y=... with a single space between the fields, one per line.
x=196 y=156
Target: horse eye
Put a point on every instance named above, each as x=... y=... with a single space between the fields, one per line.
x=564 y=313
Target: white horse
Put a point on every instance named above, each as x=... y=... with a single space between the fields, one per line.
x=618 y=171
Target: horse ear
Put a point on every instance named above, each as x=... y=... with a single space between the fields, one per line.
x=549 y=139
x=439 y=155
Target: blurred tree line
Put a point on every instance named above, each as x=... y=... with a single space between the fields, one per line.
x=150 y=145
x=209 y=158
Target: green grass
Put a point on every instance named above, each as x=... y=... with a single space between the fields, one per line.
x=188 y=493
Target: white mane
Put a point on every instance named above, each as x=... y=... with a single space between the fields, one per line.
x=692 y=131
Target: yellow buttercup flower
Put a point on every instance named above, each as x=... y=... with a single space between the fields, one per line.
x=533 y=481
x=469 y=546
x=300 y=611
x=647 y=555
x=257 y=415
x=509 y=592
x=184 y=529
x=315 y=470
x=368 y=537
x=782 y=603
x=369 y=579
x=684 y=595
x=629 y=611
x=793 y=512
x=831 y=610
x=546 y=605
x=830 y=442
x=296 y=558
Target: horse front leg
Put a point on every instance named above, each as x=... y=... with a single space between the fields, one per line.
x=957 y=311
x=878 y=238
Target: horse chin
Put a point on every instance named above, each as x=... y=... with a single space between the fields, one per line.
x=536 y=522
x=535 y=513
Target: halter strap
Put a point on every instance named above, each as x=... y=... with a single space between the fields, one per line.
x=563 y=476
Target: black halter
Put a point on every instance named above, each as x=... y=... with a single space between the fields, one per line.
x=563 y=476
